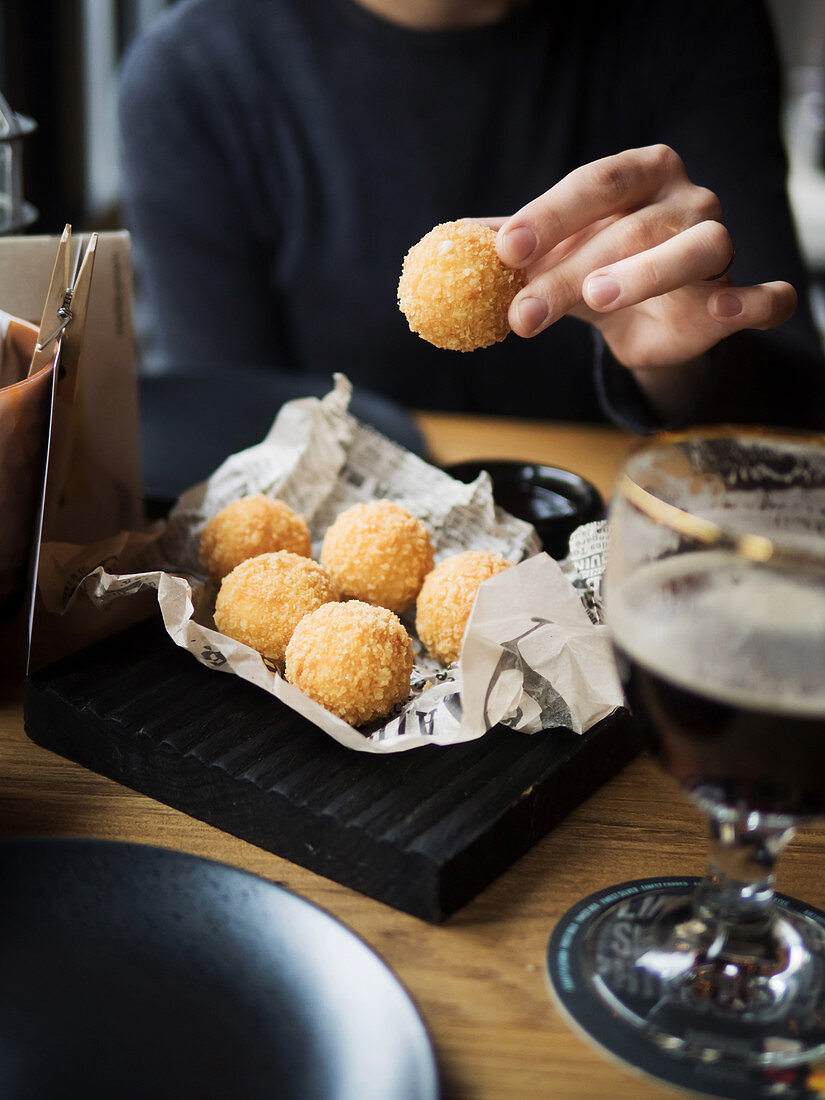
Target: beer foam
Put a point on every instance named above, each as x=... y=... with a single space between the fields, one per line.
x=743 y=634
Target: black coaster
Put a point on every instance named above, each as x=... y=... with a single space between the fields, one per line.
x=574 y=993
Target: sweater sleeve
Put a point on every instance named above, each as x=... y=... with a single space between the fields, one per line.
x=199 y=232
x=720 y=111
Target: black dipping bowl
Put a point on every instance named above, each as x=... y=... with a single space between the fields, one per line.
x=555 y=501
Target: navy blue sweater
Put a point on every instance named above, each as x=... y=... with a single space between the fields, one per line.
x=281 y=156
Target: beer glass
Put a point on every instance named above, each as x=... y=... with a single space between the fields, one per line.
x=715 y=596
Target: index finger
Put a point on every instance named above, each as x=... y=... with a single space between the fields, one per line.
x=593 y=191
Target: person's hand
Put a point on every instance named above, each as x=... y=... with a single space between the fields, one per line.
x=629 y=244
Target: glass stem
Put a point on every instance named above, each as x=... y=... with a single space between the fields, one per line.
x=735 y=899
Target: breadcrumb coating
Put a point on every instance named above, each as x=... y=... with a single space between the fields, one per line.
x=454 y=290
x=264 y=598
x=446 y=600
x=248 y=527
x=378 y=553
x=353 y=658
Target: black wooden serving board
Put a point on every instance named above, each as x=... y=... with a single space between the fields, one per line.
x=422 y=830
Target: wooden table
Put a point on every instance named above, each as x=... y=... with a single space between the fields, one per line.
x=478 y=980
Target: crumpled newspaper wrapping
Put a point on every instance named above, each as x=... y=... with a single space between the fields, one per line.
x=533 y=657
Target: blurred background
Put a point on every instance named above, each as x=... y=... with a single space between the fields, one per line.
x=58 y=63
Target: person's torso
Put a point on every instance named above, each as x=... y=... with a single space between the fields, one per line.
x=364 y=135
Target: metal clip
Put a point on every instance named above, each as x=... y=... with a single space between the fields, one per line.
x=67 y=298
x=65 y=315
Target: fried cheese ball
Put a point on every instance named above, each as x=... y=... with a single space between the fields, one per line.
x=378 y=553
x=454 y=290
x=248 y=527
x=446 y=600
x=264 y=598
x=353 y=658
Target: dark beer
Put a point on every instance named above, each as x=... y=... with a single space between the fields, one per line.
x=723 y=664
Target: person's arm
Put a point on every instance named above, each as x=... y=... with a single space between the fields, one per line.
x=632 y=244
x=203 y=243
x=725 y=121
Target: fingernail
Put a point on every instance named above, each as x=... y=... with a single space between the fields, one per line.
x=728 y=305
x=531 y=313
x=602 y=290
x=518 y=244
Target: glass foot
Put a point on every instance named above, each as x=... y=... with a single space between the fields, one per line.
x=648 y=977
x=686 y=985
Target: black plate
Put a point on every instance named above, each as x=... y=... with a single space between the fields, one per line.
x=130 y=971
x=554 y=500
